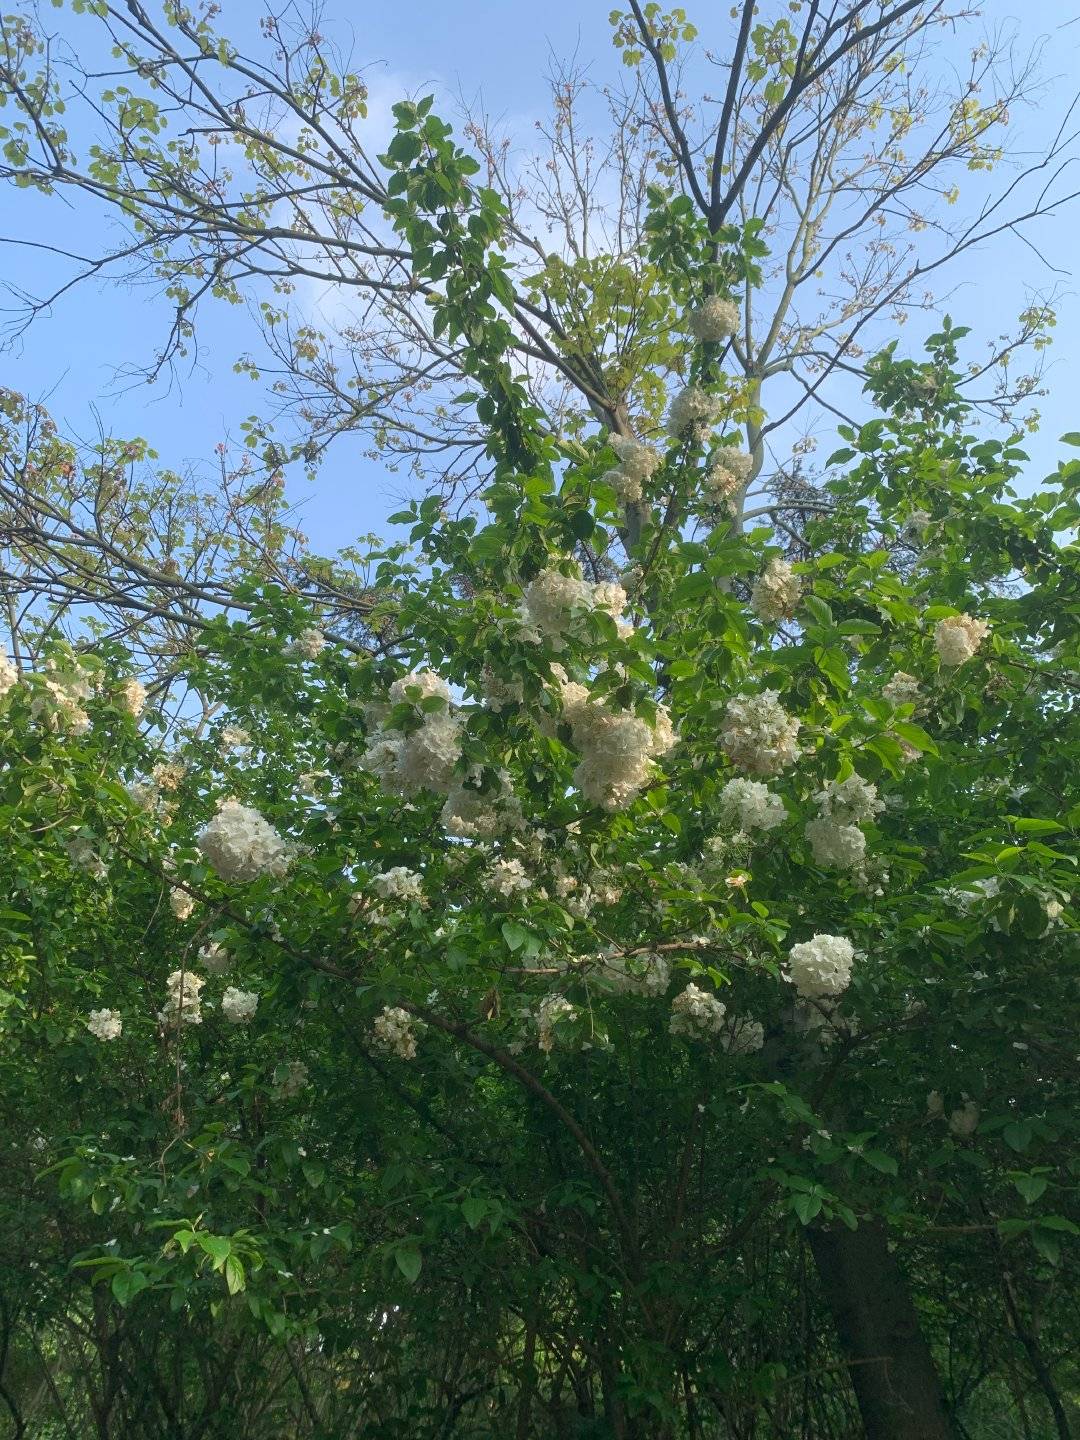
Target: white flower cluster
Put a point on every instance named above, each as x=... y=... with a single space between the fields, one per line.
x=234 y=738
x=550 y=600
x=758 y=735
x=553 y=1008
x=742 y=1035
x=181 y=903
x=396 y=1032
x=693 y=414
x=470 y=814
x=637 y=464
x=696 y=1013
x=498 y=693
x=835 y=838
x=424 y=758
x=776 y=592
x=903 y=689
x=308 y=645
x=728 y=472
x=105 y=1024
x=508 y=878
x=81 y=852
x=214 y=958
x=714 y=319
x=294 y=1079
x=183 y=999
x=617 y=748
x=635 y=975
x=133 y=696
x=9 y=676
x=141 y=794
x=238 y=1006
x=398 y=884
x=168 y=775
x=241 y=845
x=748 y=805
x=821 y=967
x=957 y=638
x=60 y=707
x=964 y=1121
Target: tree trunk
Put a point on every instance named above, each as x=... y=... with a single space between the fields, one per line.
x=891 y=1368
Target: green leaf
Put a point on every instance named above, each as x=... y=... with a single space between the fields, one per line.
x=409 y=1262
x=1030 y=1187
x=234 y=1275
x=806 y=1207
x=514 y=935
x=474 y=1209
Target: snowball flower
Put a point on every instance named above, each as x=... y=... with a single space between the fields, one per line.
x=836 y=847
x=776 y=592
x=903 y=689
x=398 y=884
x=639 y=975
x=964 y=1121
x=105 y=1024
x=215 y=958
x=508 y=878
x=241 y=845
x=424 y=681
x=758 y=735
x=714 y=319
x=238 y=1006
x=849 y=801
x=550 y=599
x=472 y=814
x=234 y=738
x=309 y=644
x=729 y=471
x=294 y=1080
x=749 y=805
x=553 y=1008
x=396 y=1032
x=696 y=1013
x=821 y=967
x=693 y=413
x=9 y=676
x=181 y=903
x=957 y=638
x=183 y=998
x=637 y=464
x=423 y=759
x=133 y=696
x=616 y=747
x=742 y=1036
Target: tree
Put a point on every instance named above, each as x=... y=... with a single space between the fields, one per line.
x=837 y=147
x=542 y=1010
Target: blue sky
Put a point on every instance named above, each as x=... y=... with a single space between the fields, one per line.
x=494 y=54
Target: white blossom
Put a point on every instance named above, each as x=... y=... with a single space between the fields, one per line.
x=553 y=1009
x=167 y=775
x=749 y=805
x=9 y=676
x=105 y=1024
x=234 y=738
x=183 y=999
x=133 y=696
x=837 y=847
x=238 y=1006
x=636 y=974
x=398 y=884
x=309 y=644
x=294 y=1080
x=728 y=471
x=714 y=319
x=957 y=638
x=181 y=902
x=215 y=958
x=616 y=747
x=241 y=845
x=693 y=413
x=850 y=801
x=742 y=1035
x=481 y=815
x=758 y=735
x=696 y=1013
x=776 y=592
x=423 y=759
x=425 y=681
x=821 y=967
x=637 y=464
x=903 y=689
x=508 y=878
x=396 y=1031
x=964 y=1120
